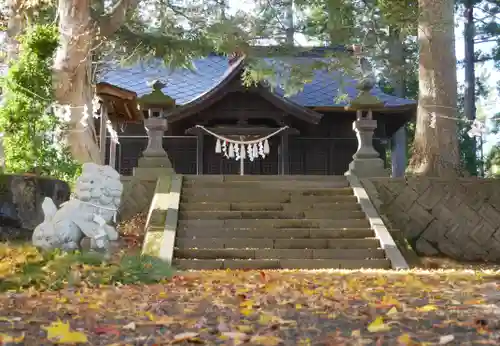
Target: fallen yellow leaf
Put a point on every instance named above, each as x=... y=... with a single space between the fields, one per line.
x=247 y=304
x=378 y=325
x=246 y=311
x=392 y=311
x=265 y=319
x=72 y=338
x=390 y=301
x=265 y=340
x=55 y=329
x=427 y=308
x=61 y=333
x=245 y=328
x=7 y=339
x=150 y=316
x=405 y=339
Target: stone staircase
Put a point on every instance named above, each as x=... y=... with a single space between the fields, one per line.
x=273 y=222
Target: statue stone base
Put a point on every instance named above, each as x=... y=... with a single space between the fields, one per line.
x=89 y=213
x=367 y=168
x=152 y=172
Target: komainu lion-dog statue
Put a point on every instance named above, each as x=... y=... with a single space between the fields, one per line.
x=93 y=207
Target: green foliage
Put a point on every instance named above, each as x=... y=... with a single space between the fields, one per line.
x=26 y=117
x=468 y=156
x=402 y=14
x=140 y=268
x=24 y=267
x=492 y=162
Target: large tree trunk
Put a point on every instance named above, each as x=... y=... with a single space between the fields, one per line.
x=470 y=73
x=397 y=62
x=436 y=151
x=15 y=23
x=72 y=81
x=72 y=68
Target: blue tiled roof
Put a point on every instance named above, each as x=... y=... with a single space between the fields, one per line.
x=187 y=85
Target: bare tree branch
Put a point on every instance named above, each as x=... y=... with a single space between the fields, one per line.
x=110 y=23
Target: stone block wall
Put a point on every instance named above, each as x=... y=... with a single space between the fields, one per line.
x=457 y=218
x=21 y=198
x=137 y=196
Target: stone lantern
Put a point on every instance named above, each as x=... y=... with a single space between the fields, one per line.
x=366 y=161
x=154 y=161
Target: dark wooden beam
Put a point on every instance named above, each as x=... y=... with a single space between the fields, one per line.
x=106 y=89
x=240 y=131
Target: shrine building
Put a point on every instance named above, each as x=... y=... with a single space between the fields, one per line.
x=210 y=114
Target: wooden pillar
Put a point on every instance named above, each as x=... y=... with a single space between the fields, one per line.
x=102 y=133
x=199 y=153
x=284 y=155
x=112 y=150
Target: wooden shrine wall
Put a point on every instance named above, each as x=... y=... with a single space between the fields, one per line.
x=215 y=163
x=324 y=156
x=180 y=149
x=322 y=149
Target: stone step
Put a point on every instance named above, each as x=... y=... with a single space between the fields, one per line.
x=276 y=243
x=323 y=206
x=257 y=196
x=236 y=206
x=274 y=184
x=334 y=214
x=271 y=223
x=231 y=178
x=261 y=197
x=263 y=206
x=240 y=215
x=311 y=200
x=273 y=233
x=279 y=253
x=221 y=192
x=194 y=264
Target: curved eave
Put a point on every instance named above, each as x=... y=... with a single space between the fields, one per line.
x=408 y=108
x=304 y=113
x=209 y=97
x=122 y=101
x=220 y=90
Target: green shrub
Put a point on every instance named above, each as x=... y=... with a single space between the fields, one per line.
x=23 y=266
x=26 y=115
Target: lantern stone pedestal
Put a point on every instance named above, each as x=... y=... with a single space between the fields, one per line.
x=366 y=161
x=154 y=161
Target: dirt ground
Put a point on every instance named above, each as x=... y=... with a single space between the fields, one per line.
x=445 y=303
x=266 y=308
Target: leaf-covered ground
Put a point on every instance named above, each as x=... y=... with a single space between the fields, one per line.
x=265 y=308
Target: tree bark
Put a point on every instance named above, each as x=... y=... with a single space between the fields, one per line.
x=470 y=77
x=72 y=69
x=397 y=62
x=436 y=151
x=111 y=22
x=15 y=24
x=470 y=73
x=72 y=80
